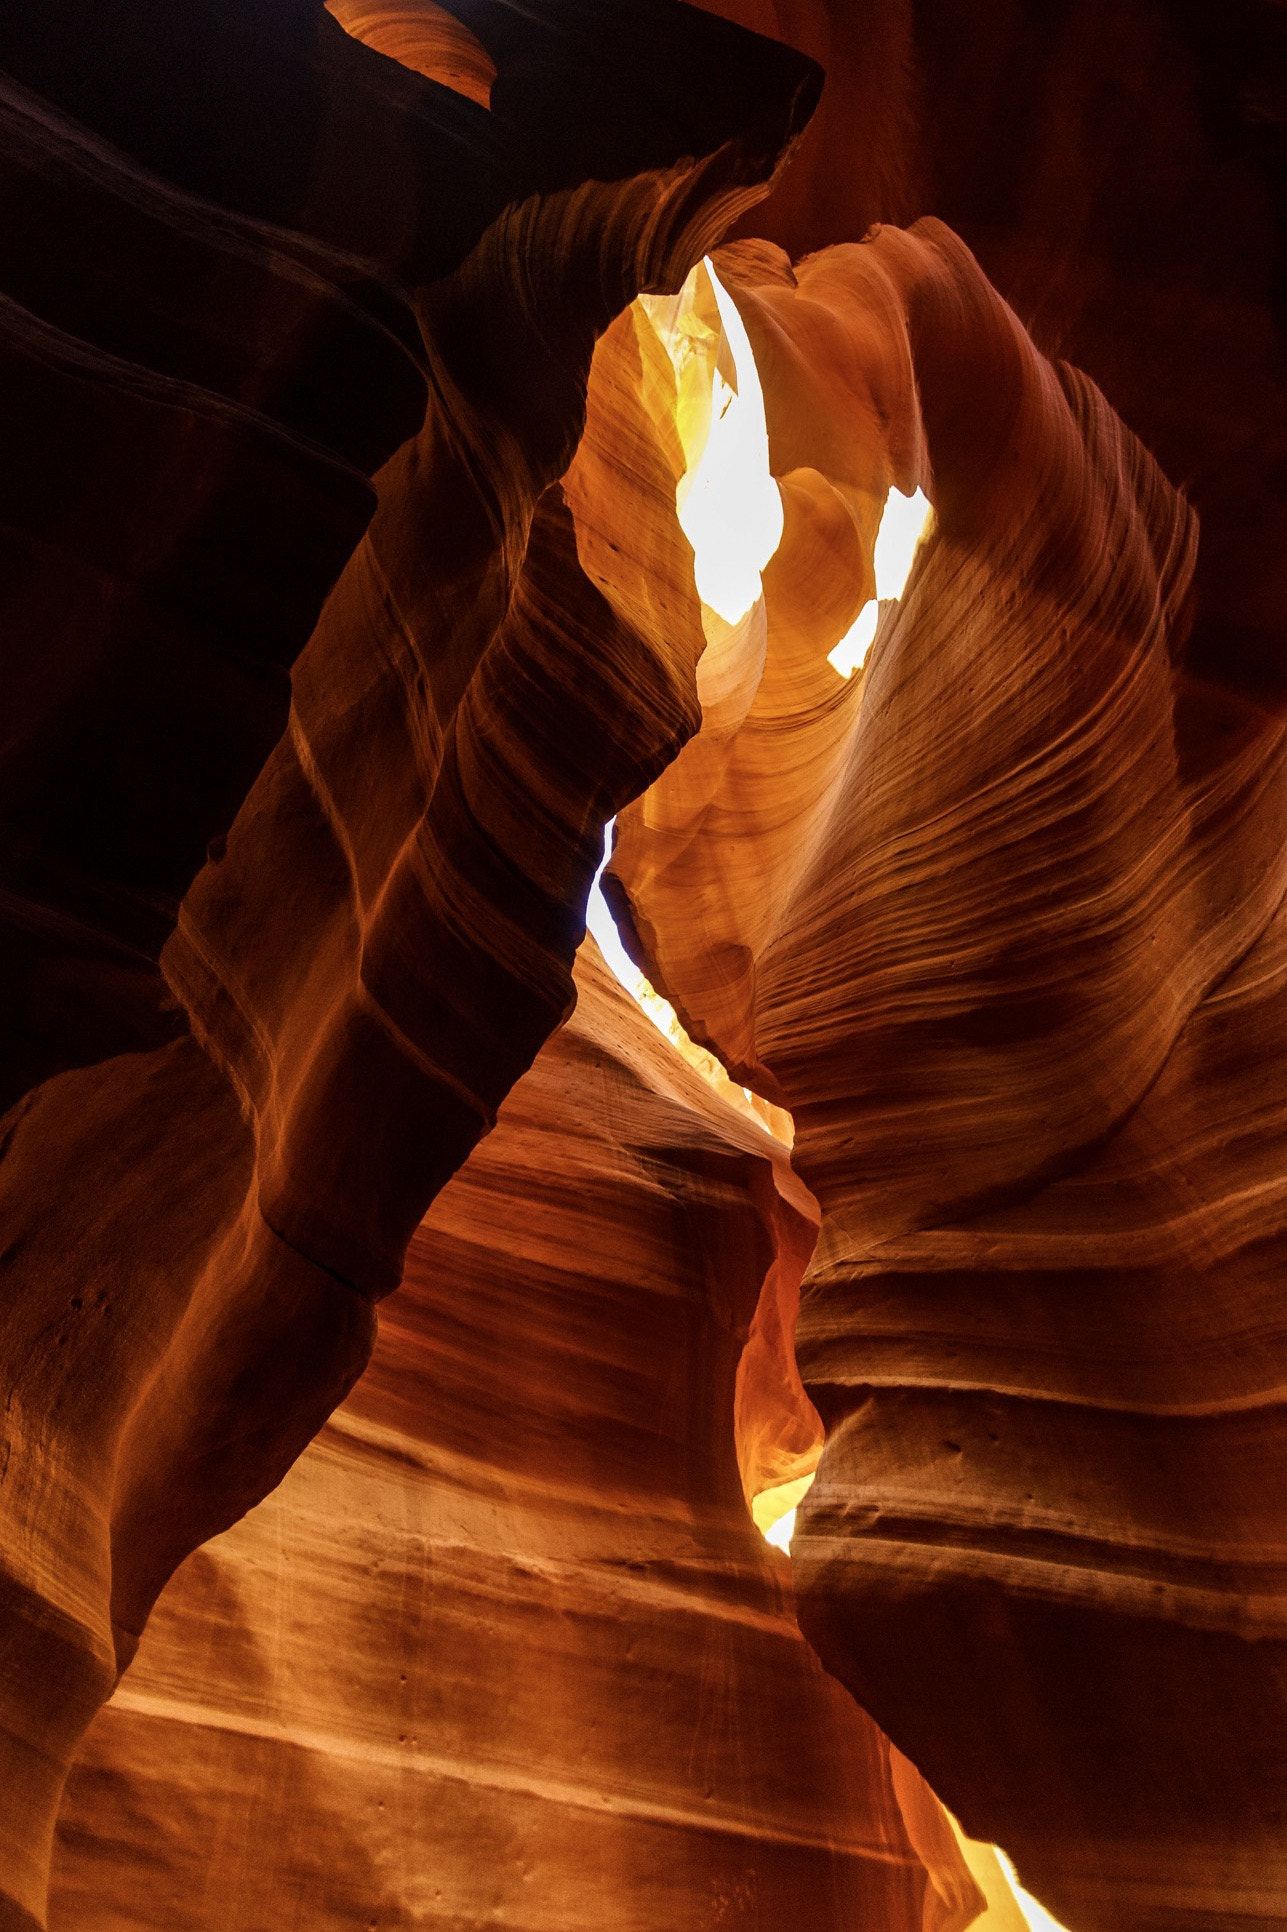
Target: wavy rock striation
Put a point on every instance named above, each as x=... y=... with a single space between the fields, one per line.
x=504 y=1648
x=1120 y=173
x=1000 y=922
x=276 y=243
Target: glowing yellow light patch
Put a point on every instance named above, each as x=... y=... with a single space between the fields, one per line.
x=774 y=1510
x=1036 y=1914
x=1009 y=1904
x=729 y=506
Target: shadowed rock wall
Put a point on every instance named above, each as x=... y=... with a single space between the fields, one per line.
x=380 y=940
x=1000 y=921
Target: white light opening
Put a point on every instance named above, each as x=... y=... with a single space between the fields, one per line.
x=902 y=524
x=729 y=506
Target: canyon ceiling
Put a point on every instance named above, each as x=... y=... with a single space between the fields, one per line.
x=436 y=433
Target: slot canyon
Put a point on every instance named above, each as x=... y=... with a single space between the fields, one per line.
x=643 y=809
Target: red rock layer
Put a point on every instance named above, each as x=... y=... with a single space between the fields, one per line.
x=504 y=1648
x=424 y=37
x=1000 y=923
x=1119 y=169
x=193 y=1228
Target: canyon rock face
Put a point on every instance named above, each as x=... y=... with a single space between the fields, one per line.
x=504 y=1648
x=245 y=249
x=999 y=920
x=350 y=601
x=1119 y=170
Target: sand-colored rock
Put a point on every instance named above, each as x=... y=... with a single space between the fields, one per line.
x=998 y=920
x=505 y=1649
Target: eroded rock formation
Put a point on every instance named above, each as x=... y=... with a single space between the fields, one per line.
x=292 y=894
x=380 y=942
x=1119 y=169
x=999 y=921
x=504 y=1649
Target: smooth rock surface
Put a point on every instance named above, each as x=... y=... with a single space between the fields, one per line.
x=210 y=1169
x=504 y=1649
x=999 y=921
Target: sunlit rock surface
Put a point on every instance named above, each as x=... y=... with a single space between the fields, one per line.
x=998 y=919
x=425 y=37
x=1120 y=172
x=240 y=251
x=997 y=914
x=505 y=1648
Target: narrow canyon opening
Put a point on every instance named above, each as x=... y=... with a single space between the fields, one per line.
x=643 y=919
x=729 y=509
